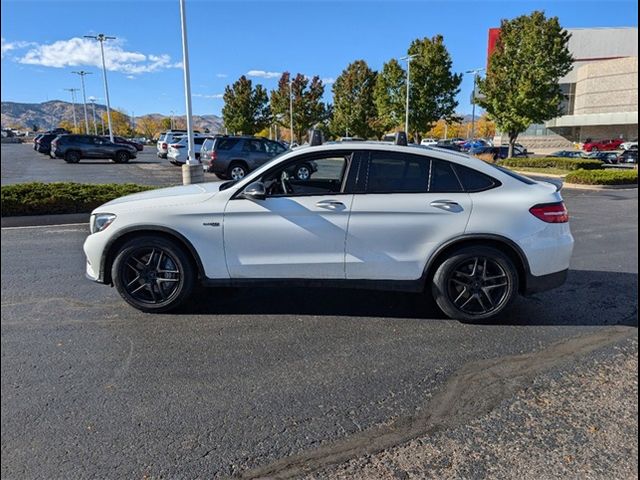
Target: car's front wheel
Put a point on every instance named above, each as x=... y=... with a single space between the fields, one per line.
x=153 y=274
x=475 y=283
x=121 y=157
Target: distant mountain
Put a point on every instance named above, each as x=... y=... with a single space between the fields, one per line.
x=49 y=114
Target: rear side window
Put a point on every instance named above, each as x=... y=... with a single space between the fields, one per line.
x=208 y=144
x=443 y=178
x=226 y=143
x=474 y=181
x=394 y=172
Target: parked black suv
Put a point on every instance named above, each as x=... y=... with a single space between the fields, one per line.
x=73 y=148
x=232 y=157
x=42 y=143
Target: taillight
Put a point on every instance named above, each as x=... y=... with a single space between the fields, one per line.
x=213 y=156
x=177 y=145
x=164 y=146
x=551 y=212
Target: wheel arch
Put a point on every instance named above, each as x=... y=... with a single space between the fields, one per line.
x=110 y=251
x=503 y=244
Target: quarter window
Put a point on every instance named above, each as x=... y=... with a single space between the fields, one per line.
x=474 y=181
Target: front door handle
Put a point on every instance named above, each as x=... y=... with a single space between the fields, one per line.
x=331 y=204
x=448 y=205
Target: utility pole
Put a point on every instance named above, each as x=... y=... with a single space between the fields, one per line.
x=192 y=171
x=73 y=104
x=476 y=75
x=93 y=105
x=101 y=37
x=82 y=73
x=408 y=58
x=171 y=112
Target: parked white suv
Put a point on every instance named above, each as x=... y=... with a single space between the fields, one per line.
x=177 y=152
x=169 y=137
x=371 y=215
x=428 y=142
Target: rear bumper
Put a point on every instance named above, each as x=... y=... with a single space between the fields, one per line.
x=536 y=284
x=162 y=155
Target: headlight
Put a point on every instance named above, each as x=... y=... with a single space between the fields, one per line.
x=100 y=221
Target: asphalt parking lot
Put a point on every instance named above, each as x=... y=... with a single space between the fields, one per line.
x=242 y=378
x=20 y=163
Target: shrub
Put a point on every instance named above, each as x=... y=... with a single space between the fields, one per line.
x=603 y=177
x=550 y=162
x=64 y=197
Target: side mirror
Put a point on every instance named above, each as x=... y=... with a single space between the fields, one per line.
x=255 y=191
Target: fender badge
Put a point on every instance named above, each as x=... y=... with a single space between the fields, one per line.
x=211 y=224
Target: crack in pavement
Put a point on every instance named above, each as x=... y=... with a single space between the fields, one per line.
x=473 y=391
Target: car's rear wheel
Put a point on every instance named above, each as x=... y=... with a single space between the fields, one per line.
x=236 y=171
x=72 y=157
x=153 y=274
x=475 y=283
x=121 y=157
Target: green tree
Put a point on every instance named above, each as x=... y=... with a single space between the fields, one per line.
x=353 y=107
x=521 y=86
x=165 y=123
x=389 y=96
x=246 y=109
x=308 y=108
x=433 y=86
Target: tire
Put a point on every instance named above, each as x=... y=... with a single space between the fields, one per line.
x=237 y=171
x=303 y=172
x=121 y=157
x=153 y=274
x=462 y=290
x=72 y=157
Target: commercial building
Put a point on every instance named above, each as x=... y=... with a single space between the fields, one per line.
x=601 y=90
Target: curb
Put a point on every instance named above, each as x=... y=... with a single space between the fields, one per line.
x=45 y=220
x=577 y=186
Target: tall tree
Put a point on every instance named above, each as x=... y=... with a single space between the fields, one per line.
x=246 y=109
x=433 y=86
x=120 y=123
x=389 y=96
x=308 y=108
x=353 y=107
x=149 y=127
x=521 y=86
x=165 y=123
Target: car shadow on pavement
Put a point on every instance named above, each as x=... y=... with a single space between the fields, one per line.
x=587 y=298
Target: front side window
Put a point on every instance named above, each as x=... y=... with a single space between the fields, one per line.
x=308 y=175
x=273 y=147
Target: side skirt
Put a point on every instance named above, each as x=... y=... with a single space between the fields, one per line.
x=388 y=285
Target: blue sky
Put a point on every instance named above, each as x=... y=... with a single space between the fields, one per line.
x=42 y=43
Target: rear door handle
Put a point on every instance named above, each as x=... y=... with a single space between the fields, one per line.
x=448 y=205
x=330 y=204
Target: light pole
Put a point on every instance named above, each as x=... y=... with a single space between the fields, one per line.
x=93 y=106
x=101 y=37
x=290 y=109
x=408 y=58
x=73 y=104
x=82 y=73
x=476 y=73
x=192 y=171
x=171 y=117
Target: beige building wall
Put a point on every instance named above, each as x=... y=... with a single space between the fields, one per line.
x=607 y=86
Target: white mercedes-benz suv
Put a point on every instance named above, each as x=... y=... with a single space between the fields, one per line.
x=370 y=215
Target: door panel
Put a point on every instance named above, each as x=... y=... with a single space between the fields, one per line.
x=391 y=236
x=287 y=237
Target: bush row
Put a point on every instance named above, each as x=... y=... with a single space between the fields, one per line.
x=603 y=177
x=37 y=198
x=549 y=162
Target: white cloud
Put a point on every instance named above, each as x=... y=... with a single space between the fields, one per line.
x=86 y=52
x=221 y=75
x=263 y=74
x=328 y=80
x=203 y=95
x=6 y=47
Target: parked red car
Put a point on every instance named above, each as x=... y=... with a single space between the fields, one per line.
x=602 y=145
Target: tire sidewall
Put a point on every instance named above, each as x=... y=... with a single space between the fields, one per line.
x=439 y=284
x=236 y=165
x=185 y=266
x=72 y=157
x=121 y=157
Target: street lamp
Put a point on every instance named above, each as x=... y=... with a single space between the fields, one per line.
x=171 y=118
x=291 y=110
x=73 y=104
x=93 y=105
x=408 y=58
x=102 y=38
x=82 y=73
x=476 y=74
x=192 y=171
